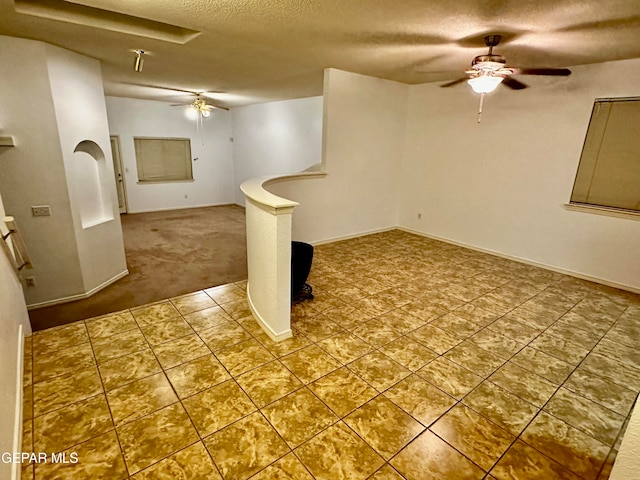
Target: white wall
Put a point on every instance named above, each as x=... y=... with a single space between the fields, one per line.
x=364 y=121
x=502 y=184
x=213 y=171
x=32 y=172
x=276 y=138
x=13 y=314
x=50 y=101
x=78 y=97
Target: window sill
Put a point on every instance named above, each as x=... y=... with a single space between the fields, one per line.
x=606 y=211
x=156 y=182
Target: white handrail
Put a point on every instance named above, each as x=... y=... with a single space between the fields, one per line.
x=14 y=246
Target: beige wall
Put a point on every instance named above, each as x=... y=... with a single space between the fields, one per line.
x=50 y=101
x=212 y=171
x=501 y=185
x=32 y=172
x=79 y=103
x=364 y=119
x=415 y=157
x=276 y=138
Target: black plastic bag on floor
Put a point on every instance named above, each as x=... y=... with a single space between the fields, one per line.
x=301 y=259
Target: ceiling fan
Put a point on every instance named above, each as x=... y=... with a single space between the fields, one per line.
x=199 y=105
x=490 y=70
x=199 y=109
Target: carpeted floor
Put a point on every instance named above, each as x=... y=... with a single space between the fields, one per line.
x=168 y=254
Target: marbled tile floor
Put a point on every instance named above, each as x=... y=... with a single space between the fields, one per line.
x=416 y=359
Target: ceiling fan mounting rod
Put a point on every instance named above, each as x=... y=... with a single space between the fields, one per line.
x=492 y=40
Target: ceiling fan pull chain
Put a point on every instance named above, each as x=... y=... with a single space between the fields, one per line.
x=200 y=126
x=480 y=107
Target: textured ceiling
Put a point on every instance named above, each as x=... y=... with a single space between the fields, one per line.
x=262 y=50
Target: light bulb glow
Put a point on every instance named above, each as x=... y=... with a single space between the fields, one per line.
x=191 y=113
x=484 y=83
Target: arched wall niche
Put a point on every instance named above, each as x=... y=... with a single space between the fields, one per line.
x=89 y=179
x=90 y=147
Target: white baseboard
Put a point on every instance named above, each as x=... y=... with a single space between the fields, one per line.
x=16 y=468
x=533 y=263
x=184 y=207
x=80 y=296
x=351 y=236
x=276 y=337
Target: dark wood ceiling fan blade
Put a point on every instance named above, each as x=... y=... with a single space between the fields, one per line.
x=558 y=72
x=513 y=83
x=454 y=82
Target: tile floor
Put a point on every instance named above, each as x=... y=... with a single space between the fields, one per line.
x=416 y=359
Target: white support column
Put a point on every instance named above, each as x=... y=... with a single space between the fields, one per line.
x=268 y=220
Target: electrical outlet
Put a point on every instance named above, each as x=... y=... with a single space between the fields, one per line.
x=41 y=211
x=30 y=281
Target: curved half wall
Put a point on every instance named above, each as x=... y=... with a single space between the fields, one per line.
x=268 y=223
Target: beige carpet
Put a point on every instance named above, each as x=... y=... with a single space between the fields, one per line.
x=168 y=254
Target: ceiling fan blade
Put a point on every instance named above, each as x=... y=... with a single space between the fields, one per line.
x=513 y=83
x=454 y=82
x=207 y=106
x=179 y=90
x=558 y=72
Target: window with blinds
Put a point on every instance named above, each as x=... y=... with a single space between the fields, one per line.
x=609 y=170
x=163 y=159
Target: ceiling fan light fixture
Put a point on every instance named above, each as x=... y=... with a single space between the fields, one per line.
x=485 y=83
x=200 y=108
x=191 y=113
